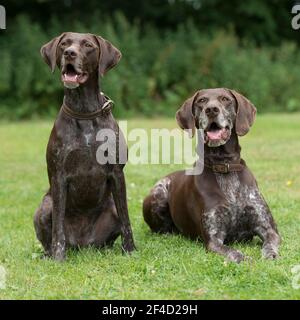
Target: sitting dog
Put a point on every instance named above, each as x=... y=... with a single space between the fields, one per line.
x=222 y=204
x=86 y=203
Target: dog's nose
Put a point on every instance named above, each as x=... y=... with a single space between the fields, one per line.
x=212 y=111
x=70 y=53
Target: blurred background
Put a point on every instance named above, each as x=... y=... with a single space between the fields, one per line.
x=170 y=49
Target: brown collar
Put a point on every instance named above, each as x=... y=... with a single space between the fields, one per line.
x=225 y=167
x=105 y=108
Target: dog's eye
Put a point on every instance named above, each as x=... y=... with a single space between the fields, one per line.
x=202 y=100
x=225 y=99
x=63 y=44
x=88 y=45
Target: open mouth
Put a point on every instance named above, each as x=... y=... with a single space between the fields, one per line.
x=215 y=135
x=71 y=77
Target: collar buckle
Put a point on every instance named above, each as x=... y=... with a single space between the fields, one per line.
x=221 y=168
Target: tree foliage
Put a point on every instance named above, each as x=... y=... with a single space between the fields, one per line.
x=170 y=49
x=265 y=22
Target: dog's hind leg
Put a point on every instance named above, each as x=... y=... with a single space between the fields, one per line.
x=43 y=223
x=107 y=227
x=156 y=208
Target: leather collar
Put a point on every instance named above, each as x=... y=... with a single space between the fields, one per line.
x=105 y=108
x=225 y=167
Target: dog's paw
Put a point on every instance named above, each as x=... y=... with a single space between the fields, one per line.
x=59 y=255
x=128 y=247
x=235 y=256
x=59 y=252
x=269 y=253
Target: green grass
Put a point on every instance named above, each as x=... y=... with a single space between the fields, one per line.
x=164 y=267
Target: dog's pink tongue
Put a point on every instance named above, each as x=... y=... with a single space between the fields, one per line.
x=70 y=77
x=215 y=135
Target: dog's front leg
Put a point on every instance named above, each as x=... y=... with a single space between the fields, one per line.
x=214 y=223
x=271 y=244
x=266 y=229
x=58 y=192
x=120 y=198
x=216 y=245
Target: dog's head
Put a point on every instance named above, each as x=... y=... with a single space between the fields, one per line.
x=78 y=55
x=218 y=112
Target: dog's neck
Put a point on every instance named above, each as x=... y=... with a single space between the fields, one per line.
x=229 y=152
x=86 y=98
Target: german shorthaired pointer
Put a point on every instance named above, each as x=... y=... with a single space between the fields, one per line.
x=86 y=203
x=222 y=204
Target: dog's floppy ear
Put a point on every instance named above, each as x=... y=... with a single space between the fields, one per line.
x=185 y=117
x=48 y=51
x=109 y=55
x=245 y=115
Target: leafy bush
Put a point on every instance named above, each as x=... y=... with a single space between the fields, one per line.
x=158 y=70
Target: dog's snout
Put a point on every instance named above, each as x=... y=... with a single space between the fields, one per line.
x=212 y=111
x=70 y=53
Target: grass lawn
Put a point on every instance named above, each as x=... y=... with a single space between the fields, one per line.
x=164 y=267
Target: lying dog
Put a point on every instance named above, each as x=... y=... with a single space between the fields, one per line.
x=86 y=203
x=223 y=204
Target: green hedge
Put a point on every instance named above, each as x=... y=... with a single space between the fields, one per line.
x=157 y=72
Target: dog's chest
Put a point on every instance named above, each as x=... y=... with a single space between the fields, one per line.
x=236 y=193
x=80 y=158
x=85 y=176
x=241 y=198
